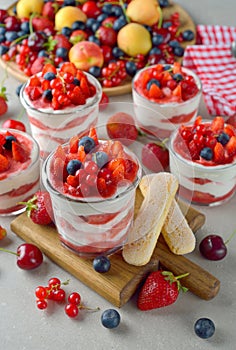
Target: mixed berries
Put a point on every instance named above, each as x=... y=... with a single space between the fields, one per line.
x=166 y=83
x=60 y=88
x=32 y=42
x=209 y=143
x=11 y=150
x=88 y=167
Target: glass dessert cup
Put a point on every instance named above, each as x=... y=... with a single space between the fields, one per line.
x=53 y=127
x=201 y=184
x=160 y=119
x=22 y=179
x=94 y=225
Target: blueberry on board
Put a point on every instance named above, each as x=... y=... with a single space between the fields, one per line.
x=153 y=81
x=188 y=35
x=100 y=158
x=95 y=26
x=8 y=143
x=66 y=31
x=206 y=153
x=204 y=328
x=157 y=39
x=119 y=23
x=117 y=52
x=88 y=143
x=164 y=3
x=101 y=264
x=61 y=52
x=43 y=53
x=49 y=76
x=131 y=68
x=178 y=51
x=95 y=71
x=25 y=27
x=223 y=138
x=73 y=165
x=110 y=318
x=79 y=25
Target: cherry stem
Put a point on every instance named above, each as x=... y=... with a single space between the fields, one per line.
x=8 y=251
x=161 y=18
x=88 y=308
x=230 y=237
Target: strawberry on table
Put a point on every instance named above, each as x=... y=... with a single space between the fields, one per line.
x=3 y=232
x=3 y=100
x=160 y=289
x=155 y=156
x=39 y=208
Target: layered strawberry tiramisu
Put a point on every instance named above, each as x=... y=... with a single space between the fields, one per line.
x=60 y=103
x=19 y=170
x=165 y=96
x=92 y=185
x=203 y=157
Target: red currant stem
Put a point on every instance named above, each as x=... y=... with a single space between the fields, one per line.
x=8 y=251
x=230 y=237
x=160 y=18
x=88 y=308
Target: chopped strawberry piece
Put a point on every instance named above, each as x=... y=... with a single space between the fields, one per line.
x=74 y=142
x=49 y=68
x=231 y=146
x=217 y=124
x=115 y=163
x=219 y=153
x=72 y=180
x=155 y=91
x=60 y=153
x=69 y=67
x=81 y=155
x=177 y=91
x=35 y=93
x=2 y=140
x=18 y=152
x=118 y=173
x=93 y=134
x=116 y=149
x=34 y=81
x=176 y=67
x=230 y=130
x=4 y=163
x=77 y=97
x=84 y=87
x=131 y=169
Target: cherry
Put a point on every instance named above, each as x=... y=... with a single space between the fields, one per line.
x=212 y=247
x=28 y=255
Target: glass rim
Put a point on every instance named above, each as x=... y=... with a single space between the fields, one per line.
x=94 y=99
x=92 y=200
x=170 y=104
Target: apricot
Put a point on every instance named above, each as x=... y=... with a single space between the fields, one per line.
x=67 y=15
x=24 y=8
x=134 y=39
x=144 y=12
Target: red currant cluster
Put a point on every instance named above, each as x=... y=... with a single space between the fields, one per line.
x=114 y=74
x=54 y=291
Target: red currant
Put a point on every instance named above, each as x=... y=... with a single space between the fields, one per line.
x=71 y=310
x=74 y=298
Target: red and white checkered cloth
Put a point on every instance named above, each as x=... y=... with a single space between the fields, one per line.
x=213 y=62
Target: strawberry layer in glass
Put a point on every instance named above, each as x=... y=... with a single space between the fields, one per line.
x=203 y=157
x=165 y=96
x=60 y=106
x=93 y=205
x=19 y=170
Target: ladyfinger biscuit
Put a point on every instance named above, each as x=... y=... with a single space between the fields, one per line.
x=176 y=231
x=144 y=233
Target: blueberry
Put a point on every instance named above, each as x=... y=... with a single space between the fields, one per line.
x=49 y=76
x=178 y=51
x=204 y=328
x=11 y=36
x=155 y=51
x=107 y=8
x=117 y=52
x=157 y=39
x=100 y=158
x=73 y=165
x=69 y=3
x=101 y=17
x=78 y=25
x=76 y=82
x=206 y=153
x=117 y=11
x=153 y=81
x=223 y=138
x=167 y=24
x=174 y=43
x=167 y=67
x=62 y=52
x=66 y=31
x=47 y=94
x=25 y=27
x=110 y=318
x=131 y=68
x=101 y=264
x=95 y=26
x=164 y=3
x=188 y=35
x=43 y=53
x=119 y=23
x=8 y=143
x=2 y=38
x=88 y=143
x=2 y=30
x=177 y=77
x=95 y=71
x=94 y=39
x=89 y=23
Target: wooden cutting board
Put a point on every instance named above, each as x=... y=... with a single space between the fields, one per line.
x=120 y=283
x=186 y=22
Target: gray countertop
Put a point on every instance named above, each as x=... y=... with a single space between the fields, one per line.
x=24 y=327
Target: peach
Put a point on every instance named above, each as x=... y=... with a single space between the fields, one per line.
x=86 y=54
x=67 y=15
x=134 y=39
x=144 y=12
x=25 y=8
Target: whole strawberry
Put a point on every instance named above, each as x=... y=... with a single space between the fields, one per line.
x=160 y=289
x=39 y=208
x=3 y=101
x=155 y=156
x=3 y=232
